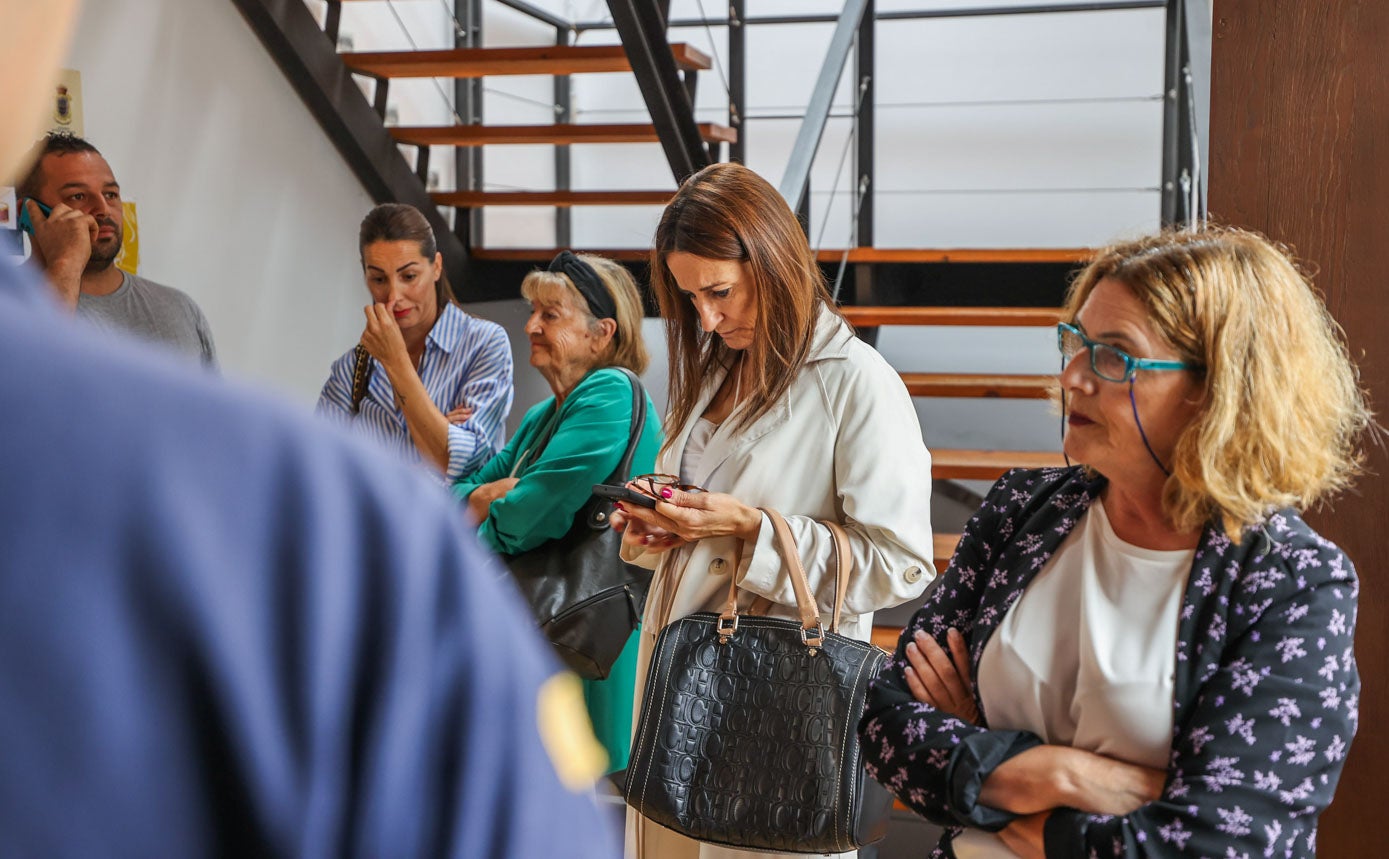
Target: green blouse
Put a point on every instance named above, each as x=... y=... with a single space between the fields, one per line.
x=591 y=436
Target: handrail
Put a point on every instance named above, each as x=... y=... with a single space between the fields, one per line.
x=539 y=14
x=909 y=15
x=793 y=181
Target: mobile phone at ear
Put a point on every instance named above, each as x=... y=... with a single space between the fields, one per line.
x=625 y=494
x=24 y=222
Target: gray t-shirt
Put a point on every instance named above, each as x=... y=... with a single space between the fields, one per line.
x=150 y=311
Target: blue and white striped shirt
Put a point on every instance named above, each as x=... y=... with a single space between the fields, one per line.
x=467 y=361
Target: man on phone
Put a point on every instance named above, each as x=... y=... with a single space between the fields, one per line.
x=71 y=206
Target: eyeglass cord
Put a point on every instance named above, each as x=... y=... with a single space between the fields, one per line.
x=1141 y=434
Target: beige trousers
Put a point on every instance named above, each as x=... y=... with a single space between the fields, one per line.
x=647 y=840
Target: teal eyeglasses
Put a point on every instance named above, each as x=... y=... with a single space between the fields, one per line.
x=1109 y=362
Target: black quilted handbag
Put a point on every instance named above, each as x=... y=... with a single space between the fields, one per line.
x=585 y=598
x=748 y=732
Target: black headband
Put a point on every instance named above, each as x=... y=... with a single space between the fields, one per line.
x=587 y=282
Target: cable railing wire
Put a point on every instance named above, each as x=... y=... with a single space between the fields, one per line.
x=718 y=66
x=860 y=188
x=453 y=109
x=843 y=156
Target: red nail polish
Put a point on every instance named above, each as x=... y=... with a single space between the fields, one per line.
x=666 y=493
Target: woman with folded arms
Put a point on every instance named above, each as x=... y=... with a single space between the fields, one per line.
x=1149 y=653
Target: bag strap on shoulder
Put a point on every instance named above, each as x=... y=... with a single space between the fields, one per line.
x=624 y=466
x=638 y=424
x=361 y=375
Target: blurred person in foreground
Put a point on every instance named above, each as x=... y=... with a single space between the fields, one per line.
x=1149 y=653
x=315 y=659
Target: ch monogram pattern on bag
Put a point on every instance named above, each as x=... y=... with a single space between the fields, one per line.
x=747 y=743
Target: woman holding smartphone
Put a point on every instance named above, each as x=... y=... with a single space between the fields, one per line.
x=774 y=403
x=438 y=383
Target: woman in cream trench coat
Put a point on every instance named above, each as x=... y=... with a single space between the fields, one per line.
x=840 y=441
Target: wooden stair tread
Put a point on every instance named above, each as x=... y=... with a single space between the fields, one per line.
x=1005 y=255
x=482 y=62
x=856 y=255
x=996 y=385
x=479 y=135
x=473 y=199
x=958 y=464
x=871 y=317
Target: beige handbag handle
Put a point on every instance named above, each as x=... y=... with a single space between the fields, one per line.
x=812 y=632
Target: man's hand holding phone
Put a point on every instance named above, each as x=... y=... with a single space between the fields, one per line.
x=62 y=239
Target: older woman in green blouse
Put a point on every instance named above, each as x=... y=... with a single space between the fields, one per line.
x=585 y=320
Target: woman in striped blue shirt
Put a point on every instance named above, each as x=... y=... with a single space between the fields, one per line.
x=439 y=382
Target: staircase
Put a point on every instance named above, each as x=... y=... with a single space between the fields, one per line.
x=880 y=289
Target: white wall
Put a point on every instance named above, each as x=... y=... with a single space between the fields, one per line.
x=243 y=202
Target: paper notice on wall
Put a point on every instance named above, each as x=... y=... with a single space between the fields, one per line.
x=128 y=260
x=11 y=240
x=66 y=104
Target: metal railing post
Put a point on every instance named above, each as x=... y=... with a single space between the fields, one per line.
x=467 y=96
x=864 y=123
x=563 y=160
x=737 y=78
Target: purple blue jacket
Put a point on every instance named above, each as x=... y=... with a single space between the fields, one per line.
x=1264 y=706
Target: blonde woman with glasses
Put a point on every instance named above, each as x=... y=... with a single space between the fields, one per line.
x=1149 y=653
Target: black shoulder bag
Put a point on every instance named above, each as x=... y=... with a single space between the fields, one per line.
x=748 y=734
x=585 y=598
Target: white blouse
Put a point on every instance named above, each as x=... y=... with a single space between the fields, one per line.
x=694 y=448
x=1086 y=656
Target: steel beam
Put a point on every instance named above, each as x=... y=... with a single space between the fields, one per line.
x=563 y=162
x=737 y=78
x=1178 y=165
x=467 y=103
x=642 y=29
x=332 y=19
x=866 y=123
x=537 y=13
x=968 y=12
x=1198 y=50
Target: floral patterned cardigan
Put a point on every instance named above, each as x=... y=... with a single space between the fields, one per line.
x=1264 y=705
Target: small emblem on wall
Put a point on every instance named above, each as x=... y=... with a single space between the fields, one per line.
x=67 y=103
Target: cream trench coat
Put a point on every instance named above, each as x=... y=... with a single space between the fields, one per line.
x=844 y=443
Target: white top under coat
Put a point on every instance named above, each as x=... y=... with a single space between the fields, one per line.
x=1086 y=657
x=694 y=448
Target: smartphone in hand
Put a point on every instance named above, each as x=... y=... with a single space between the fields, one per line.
x=624 y=494
x=26 y=223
